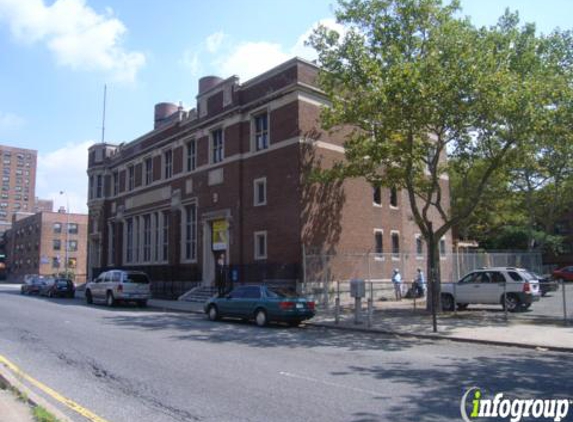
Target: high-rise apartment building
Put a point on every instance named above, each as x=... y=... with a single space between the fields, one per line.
x=18 y=193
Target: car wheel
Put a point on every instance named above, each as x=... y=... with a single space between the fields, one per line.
x=526 y=306
x=448 y=302
x=142 y=303
x=72 y=295
x=213 y=313
x=109 y=300
x=50 y=294
x=462 y=306
x=89 y=298
x=260 y=317
x=511 y=302
x=294 y=323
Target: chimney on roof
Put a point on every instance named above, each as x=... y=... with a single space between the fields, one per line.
x=62 y=210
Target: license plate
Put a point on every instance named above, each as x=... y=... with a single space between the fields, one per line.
x=299 y=306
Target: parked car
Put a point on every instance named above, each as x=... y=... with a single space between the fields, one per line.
x=261 y=304
x=115 y=286
x=565 y=273
x=32 y=285
x=546 y=283
x=59 y=287
x=489 y=286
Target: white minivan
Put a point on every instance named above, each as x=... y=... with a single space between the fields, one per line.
x=115 y=286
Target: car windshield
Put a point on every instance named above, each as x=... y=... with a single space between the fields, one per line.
x=137 y=278
x=62 y=283
x=280 y=292
x=529 y=276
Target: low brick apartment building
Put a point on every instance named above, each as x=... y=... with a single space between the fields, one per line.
x=230 y=179
x=47 y=243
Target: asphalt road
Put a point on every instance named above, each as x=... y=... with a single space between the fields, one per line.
x=129 y=364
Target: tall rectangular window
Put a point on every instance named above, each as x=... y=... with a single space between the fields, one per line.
x=260 y=191
x=147 y=238
x=442 y=247
x=168 y=161
x=191 y=232
x=131 y=177
x=99 y=186
x=115 y=183
x=393 y=197
x=72 y=245
x=377 y=195
x=129 y=240
x=57 y=244
x=165 y=237
x=395 y=245
x=191 y=155
x=72 y=228
x=261 y=131
x=57 y=228
x=156 y=237
x=148 y=171
x=261 y=245
x=112 y=243
x=136 y=238
x=419 y=247
x=378 y=242
x=217 y=146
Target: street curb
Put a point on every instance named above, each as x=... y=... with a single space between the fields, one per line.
x=413 y=335
x=441 y=337
x=33 y=398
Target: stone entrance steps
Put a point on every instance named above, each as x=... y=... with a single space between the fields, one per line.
x=199 y=294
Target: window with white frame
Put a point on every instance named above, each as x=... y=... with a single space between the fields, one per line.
x=217 y=146
x=131 y=177
x=261 y=245
x=190 y=231
x=378 y=243
x=393 y=197
x=156 y=237
x=191 y=155
x=115 y=178
x=260 y=191
x=261 y=130
x=395 y=244
x=419 y=246
x=148 y=170
x=147 y=237
x=168 y=164
x=129 y=240
x=377 y=195
x=443 y=247
x=165 y=236
x=99 y=186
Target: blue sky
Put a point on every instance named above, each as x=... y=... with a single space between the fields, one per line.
x=56 y=56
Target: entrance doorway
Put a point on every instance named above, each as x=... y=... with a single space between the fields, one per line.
x=215 y=245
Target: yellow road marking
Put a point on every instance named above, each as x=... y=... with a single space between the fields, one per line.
x=52 y=393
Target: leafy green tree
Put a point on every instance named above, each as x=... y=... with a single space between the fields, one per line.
x=419 y=84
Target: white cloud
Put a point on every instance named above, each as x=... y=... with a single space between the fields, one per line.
x=249 y=59
x=79 y=37
x=64 y=170
x=214 y=41
x=10 y=121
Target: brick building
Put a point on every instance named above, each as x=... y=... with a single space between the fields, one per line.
x=18 y=182
x=40 y=244
x=229 y=177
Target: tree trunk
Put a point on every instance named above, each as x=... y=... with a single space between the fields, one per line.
x=433 y=271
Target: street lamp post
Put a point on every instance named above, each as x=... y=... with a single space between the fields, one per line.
x=67 y=233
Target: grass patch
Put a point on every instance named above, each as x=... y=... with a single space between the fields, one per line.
x=42 y=415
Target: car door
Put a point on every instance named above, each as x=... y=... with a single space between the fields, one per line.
x=246 y=304
x=491 y=287
x=467 y=289
x=98 y=287
x=229 y=305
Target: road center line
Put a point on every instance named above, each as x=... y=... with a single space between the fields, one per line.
x=52 y=393
x=331 y=384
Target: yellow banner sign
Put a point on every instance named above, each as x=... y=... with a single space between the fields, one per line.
x=220 y=228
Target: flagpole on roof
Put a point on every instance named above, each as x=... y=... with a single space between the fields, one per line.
x=103 y=118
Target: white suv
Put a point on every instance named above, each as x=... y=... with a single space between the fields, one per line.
x=119 y=286
x=489 y=286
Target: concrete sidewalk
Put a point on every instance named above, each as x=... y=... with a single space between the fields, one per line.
x=479 y=326
x=12 y=409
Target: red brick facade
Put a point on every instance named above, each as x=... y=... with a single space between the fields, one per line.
x=253 y=187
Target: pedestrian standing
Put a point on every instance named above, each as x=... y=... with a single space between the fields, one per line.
x=220 y=276
x=420 y=282
x=397 y=282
